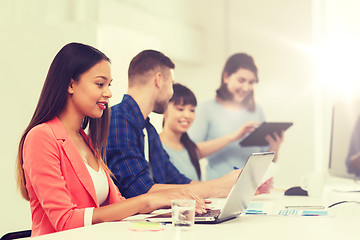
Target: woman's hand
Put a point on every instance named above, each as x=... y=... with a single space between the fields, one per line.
x=243 y=130
x=226 y=182
x=265 y=187
x=162 y=199
x=275 y=142
x=209 y=147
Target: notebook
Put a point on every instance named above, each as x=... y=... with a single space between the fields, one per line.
x=240 y=195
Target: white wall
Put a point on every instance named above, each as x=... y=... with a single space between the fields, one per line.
x=197 y=35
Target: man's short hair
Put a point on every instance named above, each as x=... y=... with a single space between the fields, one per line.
x=148 y=60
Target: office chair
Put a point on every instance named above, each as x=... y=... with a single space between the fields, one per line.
x=16 y=235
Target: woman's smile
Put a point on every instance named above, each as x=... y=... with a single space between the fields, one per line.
x=102 y=105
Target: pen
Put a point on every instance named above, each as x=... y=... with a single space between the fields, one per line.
x=254 y=211
x=250 y=211
x=307 y=207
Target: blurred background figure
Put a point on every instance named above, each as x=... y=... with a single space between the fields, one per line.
x=353 y=158
x=223 y=121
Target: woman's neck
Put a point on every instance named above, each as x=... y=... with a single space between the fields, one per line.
x=231 y=105
x=171 y=139
x=72 y=122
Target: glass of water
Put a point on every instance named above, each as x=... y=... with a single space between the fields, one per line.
x=183 y=212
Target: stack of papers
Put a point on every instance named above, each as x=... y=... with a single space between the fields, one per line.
x=267 y=208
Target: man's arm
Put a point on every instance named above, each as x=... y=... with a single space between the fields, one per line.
x=131 y=170
x=125 y=157
x=214 y=188
x=131 y=173
x=174 y=179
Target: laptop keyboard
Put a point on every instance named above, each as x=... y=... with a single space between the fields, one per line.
x=209 y=213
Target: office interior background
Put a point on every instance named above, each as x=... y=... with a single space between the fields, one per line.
x=306 y=51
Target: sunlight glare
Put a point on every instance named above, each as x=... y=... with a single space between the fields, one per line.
x=337 y=67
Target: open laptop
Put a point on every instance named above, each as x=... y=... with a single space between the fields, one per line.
x=240 y=195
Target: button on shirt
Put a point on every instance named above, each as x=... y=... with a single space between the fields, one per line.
x=125 y=152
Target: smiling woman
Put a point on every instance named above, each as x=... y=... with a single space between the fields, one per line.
x=89 y=95
x=221 y=122
x=178 y=117
x=61 y=170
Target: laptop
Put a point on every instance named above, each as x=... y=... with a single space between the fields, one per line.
x=240 y=195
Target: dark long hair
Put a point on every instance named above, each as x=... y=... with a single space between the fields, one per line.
x=232 y=65
x=70 y=62
x=184 y=96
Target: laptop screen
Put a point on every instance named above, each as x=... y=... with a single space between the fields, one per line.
x=245 y=187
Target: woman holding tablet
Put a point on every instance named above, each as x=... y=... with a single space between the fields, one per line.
x=220 y=122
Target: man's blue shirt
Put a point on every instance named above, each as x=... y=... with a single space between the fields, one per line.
x=125 y=152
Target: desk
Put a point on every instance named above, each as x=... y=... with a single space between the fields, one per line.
x=343 y=223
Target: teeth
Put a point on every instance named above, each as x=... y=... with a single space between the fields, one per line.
x=184 y=122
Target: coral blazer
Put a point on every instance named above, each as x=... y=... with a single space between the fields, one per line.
x=57 y=180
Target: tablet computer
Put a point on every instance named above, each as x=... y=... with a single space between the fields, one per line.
x=257 y=137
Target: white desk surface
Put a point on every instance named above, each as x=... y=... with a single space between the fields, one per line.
x=343 y=222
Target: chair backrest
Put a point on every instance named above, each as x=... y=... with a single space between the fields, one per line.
x=16 y=235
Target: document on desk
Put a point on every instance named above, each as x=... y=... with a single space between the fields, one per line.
x=259 y=208
x=267 y=208
x=296 y=212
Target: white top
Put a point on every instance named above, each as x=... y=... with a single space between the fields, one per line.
x=101 y=188
x=100 y=183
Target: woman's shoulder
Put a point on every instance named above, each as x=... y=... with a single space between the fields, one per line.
x=257 y=113
x=258 y=107
x=166 y=147
x=50 y=129
x=208 y=104
x=39 y=140
x=40 y=129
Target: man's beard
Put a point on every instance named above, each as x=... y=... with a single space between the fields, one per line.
x=160 y=106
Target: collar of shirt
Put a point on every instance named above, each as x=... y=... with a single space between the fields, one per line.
x=134 y=107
